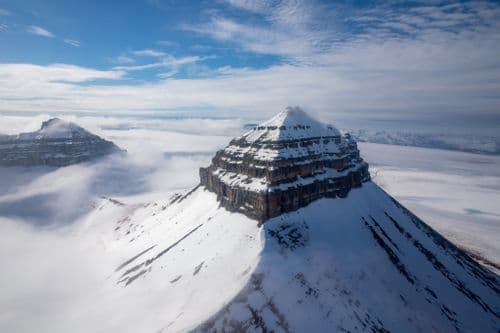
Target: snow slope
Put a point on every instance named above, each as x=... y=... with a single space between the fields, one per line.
x=183 y=263
x=360 y=264
x=185 y=257
x=363 y=263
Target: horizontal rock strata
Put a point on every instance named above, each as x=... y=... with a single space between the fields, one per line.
x=283 y=165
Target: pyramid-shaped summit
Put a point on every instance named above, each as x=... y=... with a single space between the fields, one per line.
x=284 y=164
x=291 y=124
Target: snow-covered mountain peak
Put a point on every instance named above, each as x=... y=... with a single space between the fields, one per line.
x=57 y=143
x=56 y=128
x=284 y=164
x=293 y=123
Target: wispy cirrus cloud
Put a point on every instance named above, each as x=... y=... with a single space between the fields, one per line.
x=305 y=31
x=171 y=63
x=39 y=31
x=292 y=29
x=149 y=53
x=5 y=12
x=123 y=59
x=72 y=42
x=36 y=30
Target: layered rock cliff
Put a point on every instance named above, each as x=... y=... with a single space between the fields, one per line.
x=284 y=164
x=56 y=143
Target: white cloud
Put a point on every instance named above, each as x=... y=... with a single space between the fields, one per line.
x=72 y=42
x=123 y=59
x=256 y=6
x=4 y=12
x=56 y=73
x=149 y=53
x=166 y=61
x=36 y=30
x=377 y=71
x=168 y=74
x=291 y=28
x=258 y=39
x=400 y=77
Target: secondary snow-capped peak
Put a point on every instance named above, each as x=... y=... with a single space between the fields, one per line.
x=56 y=128
x=290 y=124
x=57 y=143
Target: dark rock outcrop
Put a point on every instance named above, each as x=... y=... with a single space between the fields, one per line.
x=56 y=143
x=283 y=165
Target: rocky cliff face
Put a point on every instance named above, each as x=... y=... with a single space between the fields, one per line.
x=56 y=143
x=283 y=165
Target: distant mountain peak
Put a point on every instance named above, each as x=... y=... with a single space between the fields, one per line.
x=56 y=128
x=53 y=121
x=57 y=143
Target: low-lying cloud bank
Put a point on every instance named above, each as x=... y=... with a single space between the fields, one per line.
x=162 y=157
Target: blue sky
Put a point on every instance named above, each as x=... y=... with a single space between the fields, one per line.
x=104 y=34
x=362 y=59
